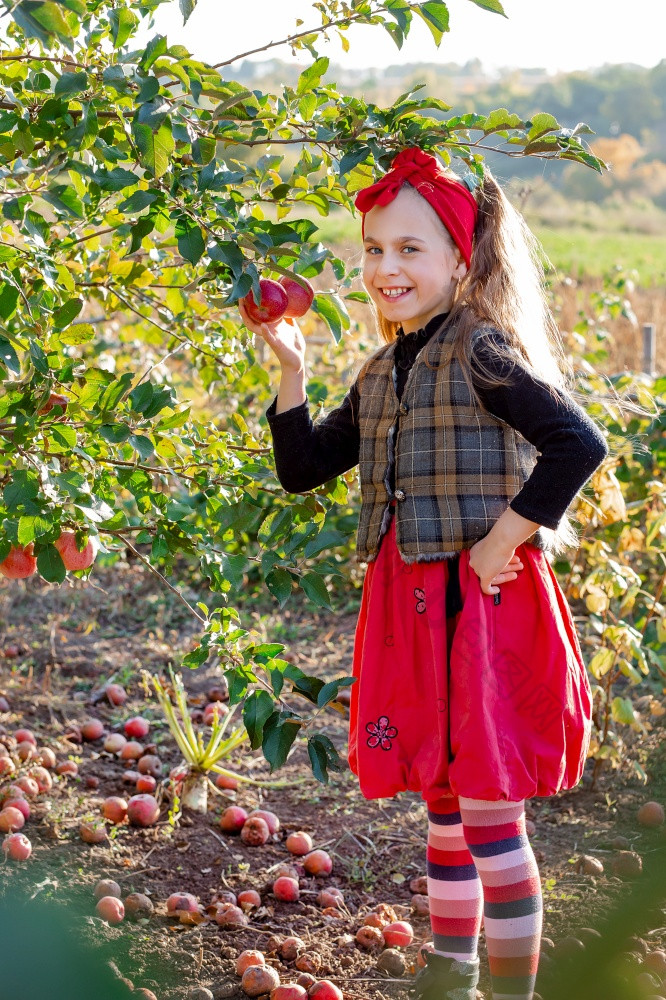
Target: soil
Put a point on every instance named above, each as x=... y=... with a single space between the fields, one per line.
x=61 y=645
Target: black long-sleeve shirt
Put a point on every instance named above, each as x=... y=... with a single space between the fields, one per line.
x=570 y=446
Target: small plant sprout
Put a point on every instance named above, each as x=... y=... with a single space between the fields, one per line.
x=200 y=757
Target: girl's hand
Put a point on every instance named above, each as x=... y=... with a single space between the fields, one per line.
x=492 y=565
x=284 y=338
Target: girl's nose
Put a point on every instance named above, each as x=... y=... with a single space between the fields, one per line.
x=388 y=264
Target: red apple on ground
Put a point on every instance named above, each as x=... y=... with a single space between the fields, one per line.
x=42 y=777
x=143 y=810
x=17 y=847
x=116 y=693
x=324 y=989
x=93 y=832
x=254 y=831
x=46 y=757
x=22 y=805
x=651 y=814
x=68 y=767
x=226 y=781
x=111 y=909
x=399 y=934
x=318 y=863
x=248 y=958
x=182 y=901
x=73 y=557
x=11 y=819
x=20 y=563
x=299 y=843
x=114 y=742
x=92 y=729
x=137 y=727
x=273 y=303
x=146 y=783
x=259 y=979
x=25 y=736
x=229 y=915
x=114 y=809
x=299 y=296
x=150 y=764
x=269 y=818
x=131 y=751
x=27 y=785
x=249 y=898
x=137 y=905
x=289 y=991
x=233 y=819
x=286 y=889
x=107 y=887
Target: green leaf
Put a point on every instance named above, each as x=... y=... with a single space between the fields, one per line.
x=68 y=312
x=186 y=9
x=71 y=83
x=191 y=244
x=311 y=76
x=80 y=333
x=623 y=711
x=138 y=201
x=155 y=48
x=8 y=356
x=123 y=23
x=278 y=738
x=314 y=586
x=280 y=584
x=323 y=757
x=9 y=296
x=330 y=690
x=32 y=527
x=436 y=16
x=492 y=5
x=540 y=124
x=50 y=565
x=258 y=708
x=155 y=148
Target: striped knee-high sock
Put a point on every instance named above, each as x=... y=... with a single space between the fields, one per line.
x=513 y=906
x=454 y=887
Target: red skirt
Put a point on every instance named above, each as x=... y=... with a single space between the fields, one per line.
x=493 y=703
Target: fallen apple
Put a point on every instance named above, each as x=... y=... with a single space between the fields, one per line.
x=137 y=727
x=232 y=819
x=324 y=989
x=286 y=889
x=254 y=831
x=107 y=887
x=138 y=906
x=299 y=843
x=11 y=819
x=17 y=847
x=111 y=909
x=259 y=979
x=248 y=958
x=399 y=934
x=318 y=863
x=143 y=810
x=114 y=809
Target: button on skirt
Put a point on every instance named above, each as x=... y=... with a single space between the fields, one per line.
x=492 y=702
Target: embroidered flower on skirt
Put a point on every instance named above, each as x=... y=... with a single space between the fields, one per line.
x=381 y=733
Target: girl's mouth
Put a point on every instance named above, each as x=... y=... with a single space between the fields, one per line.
x=394 y=294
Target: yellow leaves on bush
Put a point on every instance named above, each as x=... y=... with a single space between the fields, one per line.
x=609 y=494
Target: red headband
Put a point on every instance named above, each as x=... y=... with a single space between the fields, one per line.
x=453 y=202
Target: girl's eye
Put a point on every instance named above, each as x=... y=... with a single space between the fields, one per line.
x=371 y=250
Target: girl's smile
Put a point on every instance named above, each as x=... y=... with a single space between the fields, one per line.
x=411 y=265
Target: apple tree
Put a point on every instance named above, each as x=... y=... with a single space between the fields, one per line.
x=142 y=193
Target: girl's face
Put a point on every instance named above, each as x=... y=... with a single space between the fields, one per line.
x=410 y=264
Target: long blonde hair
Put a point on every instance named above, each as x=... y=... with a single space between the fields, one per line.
x=504 y=288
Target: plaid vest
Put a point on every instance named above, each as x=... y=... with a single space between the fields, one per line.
x=456 y=467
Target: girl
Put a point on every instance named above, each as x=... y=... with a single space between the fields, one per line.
x=471 y=688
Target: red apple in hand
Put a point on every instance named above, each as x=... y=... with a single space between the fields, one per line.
x=73 y=557
x=273 y=302
x=19 y=564
x=299 y=296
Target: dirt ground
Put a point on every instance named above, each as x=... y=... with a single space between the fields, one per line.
x=58 y=646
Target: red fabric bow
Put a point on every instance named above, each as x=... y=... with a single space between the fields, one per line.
x=454 y=204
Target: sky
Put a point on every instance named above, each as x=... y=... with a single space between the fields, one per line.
x=561 y=36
